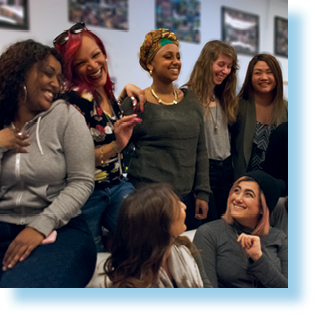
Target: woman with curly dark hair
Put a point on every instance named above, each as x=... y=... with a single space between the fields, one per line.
x=46 y=175
x=147 y=249
x=213 y=79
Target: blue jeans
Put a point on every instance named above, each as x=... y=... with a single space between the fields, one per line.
x=69 y=262
x=102 y=207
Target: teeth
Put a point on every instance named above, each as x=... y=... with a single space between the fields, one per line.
x=94 y=75
x=49 y=94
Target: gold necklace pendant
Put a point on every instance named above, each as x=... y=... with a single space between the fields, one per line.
x=160 y=101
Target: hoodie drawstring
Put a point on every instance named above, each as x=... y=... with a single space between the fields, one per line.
x=37 y=136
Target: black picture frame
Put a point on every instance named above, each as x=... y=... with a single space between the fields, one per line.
x=14 y=16
x=281 y=37
x=240 y=30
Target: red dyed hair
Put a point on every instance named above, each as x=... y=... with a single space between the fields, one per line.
x=68 y=51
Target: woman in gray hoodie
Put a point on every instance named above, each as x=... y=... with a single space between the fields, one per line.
x=46 y=174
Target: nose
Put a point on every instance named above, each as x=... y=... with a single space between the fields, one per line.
x=239 y=198
x=92 y=64
x=55 y=84
x=184 y=207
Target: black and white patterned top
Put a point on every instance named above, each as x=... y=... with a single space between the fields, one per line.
x=260 y=145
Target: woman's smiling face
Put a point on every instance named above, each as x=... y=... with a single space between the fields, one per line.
x=89 y=63
x=221 y=68
x=244 y=203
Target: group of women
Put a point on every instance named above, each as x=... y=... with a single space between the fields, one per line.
x=188 y=145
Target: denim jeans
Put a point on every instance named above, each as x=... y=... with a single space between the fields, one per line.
x=102 y=207
x=69 y=262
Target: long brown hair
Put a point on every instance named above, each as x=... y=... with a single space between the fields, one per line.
x=201 y=78
x=247 y=90
x=143 y=236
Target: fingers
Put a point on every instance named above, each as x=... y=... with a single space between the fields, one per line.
x=15 y=253
x=127 y=121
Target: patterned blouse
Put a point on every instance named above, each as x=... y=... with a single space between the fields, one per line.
x=102 y=131
x=260 y=145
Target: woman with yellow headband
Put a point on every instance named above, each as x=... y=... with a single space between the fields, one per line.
x=170 y=142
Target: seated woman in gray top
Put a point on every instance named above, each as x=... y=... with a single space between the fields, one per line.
x=148 y=249
x=241 y=250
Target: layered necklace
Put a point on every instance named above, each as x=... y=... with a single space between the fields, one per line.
x=160 y=101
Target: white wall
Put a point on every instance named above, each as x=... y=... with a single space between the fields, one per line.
x=48 y=18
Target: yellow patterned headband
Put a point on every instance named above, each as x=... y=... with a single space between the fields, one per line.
x=153 y=42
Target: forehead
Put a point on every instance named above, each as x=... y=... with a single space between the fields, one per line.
x=50 y=61
x=225 y=59
x=261 y=65
x=245 y=185
x=88 y=44
x=172 y=48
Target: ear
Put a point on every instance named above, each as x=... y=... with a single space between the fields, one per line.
x=149 y=66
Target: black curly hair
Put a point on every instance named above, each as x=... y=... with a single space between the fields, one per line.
x=15 y=63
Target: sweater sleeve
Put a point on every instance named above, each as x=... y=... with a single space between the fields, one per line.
x=79 y=155
x=198 y=259
x=205 y=243
x=202 y=180
x=266 y=272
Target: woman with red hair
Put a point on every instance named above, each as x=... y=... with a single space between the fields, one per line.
x=90 y=89
x=241 y=250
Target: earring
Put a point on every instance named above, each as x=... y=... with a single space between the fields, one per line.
x=151 y=73
x=25 y=93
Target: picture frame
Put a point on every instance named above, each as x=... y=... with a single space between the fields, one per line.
x=182 y=17
x=240 y=30
x=281 y=36
x=113 y=15
x=14 y=16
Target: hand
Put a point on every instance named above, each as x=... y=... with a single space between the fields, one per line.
x=251 y=244
x=137 y=95
x=13 y=140
x=203 y=206
x=20 y=248
x=123 y=129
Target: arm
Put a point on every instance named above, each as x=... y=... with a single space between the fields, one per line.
x=261 y=266
x=79 y=156
x=202 y=180
x=205 y=243
x=136 y=94
x=197 y=257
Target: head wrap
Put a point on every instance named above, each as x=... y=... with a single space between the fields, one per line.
x=270 y=186
x=153 y=42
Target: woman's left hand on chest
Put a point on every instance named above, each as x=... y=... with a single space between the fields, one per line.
x=251 y=244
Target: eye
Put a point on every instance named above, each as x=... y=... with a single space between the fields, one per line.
x=96 y=54
x=249 y=194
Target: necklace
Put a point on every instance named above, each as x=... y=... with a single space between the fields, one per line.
x=160 y=101
x=215 y=122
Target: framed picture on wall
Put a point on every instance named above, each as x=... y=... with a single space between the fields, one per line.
x=240 y=30
x=182 y=17
x=281 y=37
x=102 y=13
x=14 y=14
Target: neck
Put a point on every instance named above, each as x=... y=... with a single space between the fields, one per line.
x=162 y=88
x=22 y=116
x=263 y=99
x=250 y=223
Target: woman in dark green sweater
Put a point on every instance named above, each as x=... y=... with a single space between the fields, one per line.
x=170 y=143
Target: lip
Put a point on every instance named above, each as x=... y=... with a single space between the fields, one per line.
x=49 y=95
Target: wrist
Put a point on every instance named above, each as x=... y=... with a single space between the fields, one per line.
x=116 y=147
x=256 y=256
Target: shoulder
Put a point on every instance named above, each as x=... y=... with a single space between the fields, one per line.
x=191 y=99
x=275 y=236
x=126 y=106
x=211 y=228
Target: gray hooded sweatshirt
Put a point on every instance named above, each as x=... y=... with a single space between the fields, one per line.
x=46 y=187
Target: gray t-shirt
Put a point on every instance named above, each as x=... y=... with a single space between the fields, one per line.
x=217 y=141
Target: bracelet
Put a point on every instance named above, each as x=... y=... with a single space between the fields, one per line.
x=102 y=157
x=113 y=145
